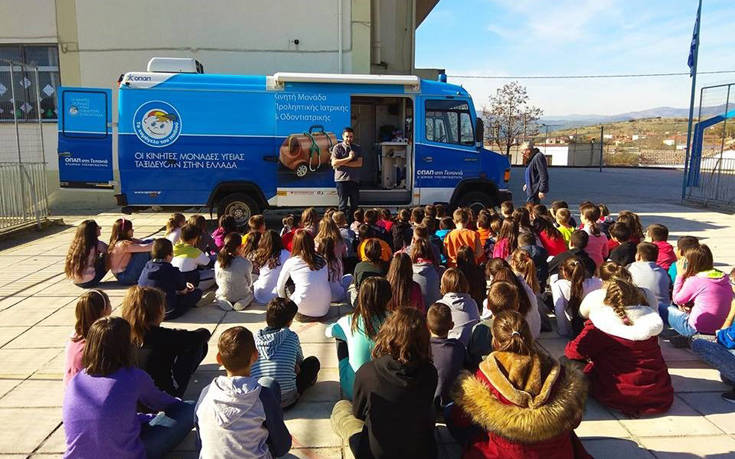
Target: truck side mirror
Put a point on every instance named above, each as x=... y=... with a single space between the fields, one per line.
x=479 y=133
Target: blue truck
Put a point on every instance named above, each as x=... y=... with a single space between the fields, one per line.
x=243 y=143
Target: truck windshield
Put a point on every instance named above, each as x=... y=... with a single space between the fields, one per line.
x=449 y=121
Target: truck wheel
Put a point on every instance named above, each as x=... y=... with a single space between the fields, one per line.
x=238 y=205
x=476 y=200
x=301 y=170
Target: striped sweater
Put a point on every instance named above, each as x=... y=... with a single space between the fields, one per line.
x=279 y=351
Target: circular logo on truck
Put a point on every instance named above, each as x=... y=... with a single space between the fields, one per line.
x=157 y=123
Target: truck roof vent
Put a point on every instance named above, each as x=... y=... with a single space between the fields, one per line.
x=175 y=65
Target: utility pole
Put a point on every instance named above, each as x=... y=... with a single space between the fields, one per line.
x=694 y=53
x=602 y=143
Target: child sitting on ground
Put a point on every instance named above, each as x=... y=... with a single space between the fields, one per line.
x=227 y=225
x=462 y=236
x=683 y=244
x=401 y=230
x=564 y=223
x=659 y=234
x=92 y=305
x=539 y=255
x=205 y=243
x=161 y=274
x=568 y=291
x=446 y=225
x=173 y=227
x=279 y=353
x=288 y=224
x=191 y=261
x=520 y=403
x=86 y=260
x=596 y=247
x=500 y=296
x=234 y=276
x=624 y=253
x=448 y=354
x=127 y=255
x=619 y=345
x=645 y=273
x=169 y=355
x=465 y=312
x=355 y=333
x=99 y=408
x=236 y=416
x=506 y=209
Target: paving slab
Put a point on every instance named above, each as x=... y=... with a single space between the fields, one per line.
x=34 y=393
x=10 y=333
x=614 y=448
x=21 y=363
x=680 y=420
x=310 y=426
x=41 y=337
x=713 y=408
x=23 y=429
x=712 y=447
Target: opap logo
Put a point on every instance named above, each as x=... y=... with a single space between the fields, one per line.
x=157 y=123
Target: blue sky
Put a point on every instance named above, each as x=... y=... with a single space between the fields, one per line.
x=562 y=37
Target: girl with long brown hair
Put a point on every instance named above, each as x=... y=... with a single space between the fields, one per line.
x=234 y=276
x=309 y=273
x=99 y=409
x=525 y=402
x=127 y=255
x=507 y=240
x=474 y=274
x=568 y=291
x=544 y=229
x=355 y=333
x=169 y=355
x=406 y=292
x=498 y=269
x=86 y=260
x=523 y=265
x=338 y=280
x=620 y=343
x=92 y=305
x=702 y=294
x=269 y=257
x=403 y=378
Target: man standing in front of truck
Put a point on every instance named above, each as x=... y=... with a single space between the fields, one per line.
x=536 y=174
x=346 y=161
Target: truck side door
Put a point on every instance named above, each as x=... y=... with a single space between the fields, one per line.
x=445 y=147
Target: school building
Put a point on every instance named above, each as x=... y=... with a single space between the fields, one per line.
x=91 y=43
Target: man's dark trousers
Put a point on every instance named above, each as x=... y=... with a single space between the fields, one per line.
x=348 y=191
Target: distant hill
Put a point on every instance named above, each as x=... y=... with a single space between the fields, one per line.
x=575 y=120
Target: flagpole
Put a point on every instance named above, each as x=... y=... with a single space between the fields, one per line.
x=691 y=102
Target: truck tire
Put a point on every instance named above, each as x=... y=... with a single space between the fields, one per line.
x=238 y=205
x=476 y=200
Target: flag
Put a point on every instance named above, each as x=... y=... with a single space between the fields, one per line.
x=695 y=43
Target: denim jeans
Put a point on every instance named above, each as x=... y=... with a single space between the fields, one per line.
x=164 y=432
x=717 y=355
x=135 y=267
x=679 y=321
x=348 y=191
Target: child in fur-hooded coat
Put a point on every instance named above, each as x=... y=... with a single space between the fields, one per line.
x=521 y=403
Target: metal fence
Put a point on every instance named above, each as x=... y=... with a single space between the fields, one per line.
x=710 y=179
x=23 y=192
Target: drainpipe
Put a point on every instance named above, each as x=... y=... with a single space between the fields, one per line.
x=377 y=45
x=339 y=34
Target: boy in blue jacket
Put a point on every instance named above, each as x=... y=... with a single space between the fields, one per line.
x=238 y=415
x=161 y=274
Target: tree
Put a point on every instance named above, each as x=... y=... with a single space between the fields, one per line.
x=510 y=118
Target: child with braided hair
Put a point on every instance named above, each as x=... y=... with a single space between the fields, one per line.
x=623 y=358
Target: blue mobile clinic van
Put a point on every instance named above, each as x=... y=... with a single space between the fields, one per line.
x=243 y=143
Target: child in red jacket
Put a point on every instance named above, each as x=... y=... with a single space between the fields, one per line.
x=521 y=403
x=620 y=344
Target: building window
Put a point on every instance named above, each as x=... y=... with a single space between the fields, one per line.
x=449 y=121
x=46 y=58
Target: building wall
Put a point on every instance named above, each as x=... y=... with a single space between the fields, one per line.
x=99 y=40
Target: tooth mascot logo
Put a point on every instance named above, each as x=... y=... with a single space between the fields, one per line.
x=157 y=123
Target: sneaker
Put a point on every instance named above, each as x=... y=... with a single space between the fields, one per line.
x=729 y=396
x=207 y=298
x=223 y=304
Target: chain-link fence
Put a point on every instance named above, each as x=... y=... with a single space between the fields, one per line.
x=23 y=194
x=710 y=178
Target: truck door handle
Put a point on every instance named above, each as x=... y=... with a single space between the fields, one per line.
x=270 y=158
x=428 y=159
x=66 y=154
